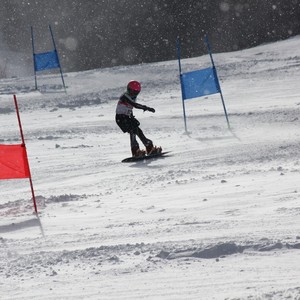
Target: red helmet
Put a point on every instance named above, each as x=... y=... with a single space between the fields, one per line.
x=133 y=87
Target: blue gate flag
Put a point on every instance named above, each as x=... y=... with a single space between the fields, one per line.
x=45 y=61
x=199 y=83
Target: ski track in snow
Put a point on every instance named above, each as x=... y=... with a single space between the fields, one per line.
x=216 y=219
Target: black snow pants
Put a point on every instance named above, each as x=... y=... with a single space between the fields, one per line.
x=131 y=125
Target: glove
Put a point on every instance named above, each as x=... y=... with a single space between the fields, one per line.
x=150 y=109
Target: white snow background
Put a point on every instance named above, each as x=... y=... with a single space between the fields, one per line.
x=217 y=219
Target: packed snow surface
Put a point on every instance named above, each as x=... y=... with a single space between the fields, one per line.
x=219 y=218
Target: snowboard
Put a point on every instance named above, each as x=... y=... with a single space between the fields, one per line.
x=146 y=157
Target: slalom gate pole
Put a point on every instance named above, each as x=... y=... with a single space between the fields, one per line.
x=23 y=144
x=54 y=45
x=217 y=79
x=180 y=76
x=33 y=54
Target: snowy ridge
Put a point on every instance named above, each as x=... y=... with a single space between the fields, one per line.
x=217 y=219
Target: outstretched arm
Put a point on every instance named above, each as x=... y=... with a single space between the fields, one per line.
x=144 y=107
x=139 y=106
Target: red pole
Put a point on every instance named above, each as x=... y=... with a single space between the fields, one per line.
x=23 y=144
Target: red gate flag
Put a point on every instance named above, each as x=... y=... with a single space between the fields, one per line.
x=13 y=162
x=13 y=159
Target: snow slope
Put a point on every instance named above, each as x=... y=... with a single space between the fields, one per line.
x=218 y=219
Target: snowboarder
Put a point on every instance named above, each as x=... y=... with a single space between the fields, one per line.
x=128 y=123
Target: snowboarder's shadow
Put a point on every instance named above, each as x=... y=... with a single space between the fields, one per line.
x=147 y=163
